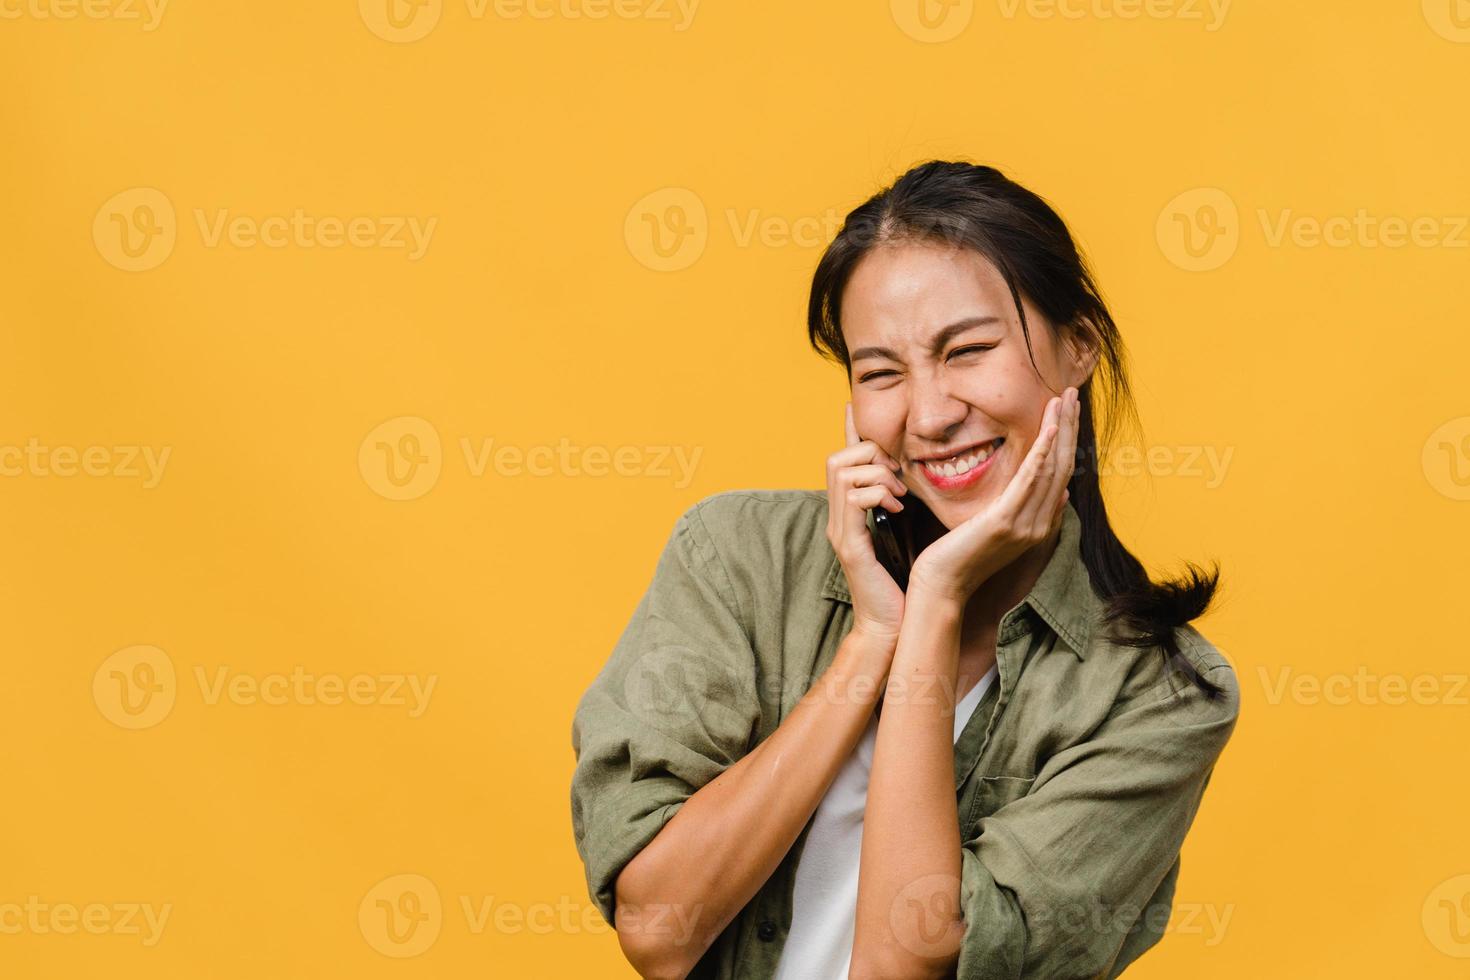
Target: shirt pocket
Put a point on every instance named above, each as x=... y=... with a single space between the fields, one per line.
x=992 y=793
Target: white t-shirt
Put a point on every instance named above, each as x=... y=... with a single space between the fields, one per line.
x=824 y=896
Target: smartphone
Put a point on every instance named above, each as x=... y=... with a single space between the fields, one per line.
x=899 y=538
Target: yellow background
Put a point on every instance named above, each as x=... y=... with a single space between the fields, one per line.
x=1332 y=834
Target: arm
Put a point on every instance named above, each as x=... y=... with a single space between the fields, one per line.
x=727 y=839
x=1053 y=881
x=909 y=920
x=908 y=915
x=674 y=814
x=670 y=806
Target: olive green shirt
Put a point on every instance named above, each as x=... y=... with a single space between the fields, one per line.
x=1076 y=778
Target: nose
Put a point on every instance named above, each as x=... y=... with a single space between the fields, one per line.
x=934 y=412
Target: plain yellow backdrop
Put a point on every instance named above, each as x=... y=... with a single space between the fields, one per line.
x=315 y=530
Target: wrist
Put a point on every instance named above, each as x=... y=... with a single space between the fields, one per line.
x=952 y=586
x=873 y=638
x=932 y=604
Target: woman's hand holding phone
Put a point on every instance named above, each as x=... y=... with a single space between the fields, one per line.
x=862 y=476
x=1026 y=513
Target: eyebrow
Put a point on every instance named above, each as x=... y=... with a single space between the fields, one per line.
x=936 y=346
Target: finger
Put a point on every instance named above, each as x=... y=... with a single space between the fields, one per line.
x=1020 y=490
x=872 y=474
x=1073 y=433
x=854 y=537
x=865 y=499
x=852 y=436
x=1063 y=459
x=861 y=464
x=866 y=451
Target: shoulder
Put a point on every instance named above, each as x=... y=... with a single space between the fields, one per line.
x=762 y=541
x=1206 y=658
x=731 y=517
x=1148 y=678
x=1211 y=664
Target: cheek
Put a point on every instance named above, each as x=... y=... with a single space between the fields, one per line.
x=876 y=421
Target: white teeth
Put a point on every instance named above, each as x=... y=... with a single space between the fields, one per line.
x=961 y=465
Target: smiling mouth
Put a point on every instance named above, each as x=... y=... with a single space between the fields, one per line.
x=951 y=467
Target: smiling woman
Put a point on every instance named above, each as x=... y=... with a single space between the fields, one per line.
x=977 y=757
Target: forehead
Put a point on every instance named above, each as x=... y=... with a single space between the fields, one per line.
x=915 y=288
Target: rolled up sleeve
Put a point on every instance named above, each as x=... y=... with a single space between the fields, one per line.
x=675 y=704
x=1054 y=881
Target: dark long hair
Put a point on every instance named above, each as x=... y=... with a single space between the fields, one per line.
x=977 y=207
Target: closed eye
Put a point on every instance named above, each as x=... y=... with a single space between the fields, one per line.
x=957 y=352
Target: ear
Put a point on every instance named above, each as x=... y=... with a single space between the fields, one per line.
x=1081 y=355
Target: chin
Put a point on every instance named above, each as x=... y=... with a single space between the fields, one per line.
x=953 y=513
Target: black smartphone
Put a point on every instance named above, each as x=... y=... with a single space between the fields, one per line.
x=899 y=538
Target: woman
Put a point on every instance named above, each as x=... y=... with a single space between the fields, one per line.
x=767 y=764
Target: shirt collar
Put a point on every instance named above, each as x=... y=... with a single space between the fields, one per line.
x=1062 y=597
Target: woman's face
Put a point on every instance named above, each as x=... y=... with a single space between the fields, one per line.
x=941 y=378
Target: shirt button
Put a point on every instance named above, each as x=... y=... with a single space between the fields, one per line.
x=766 y=931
